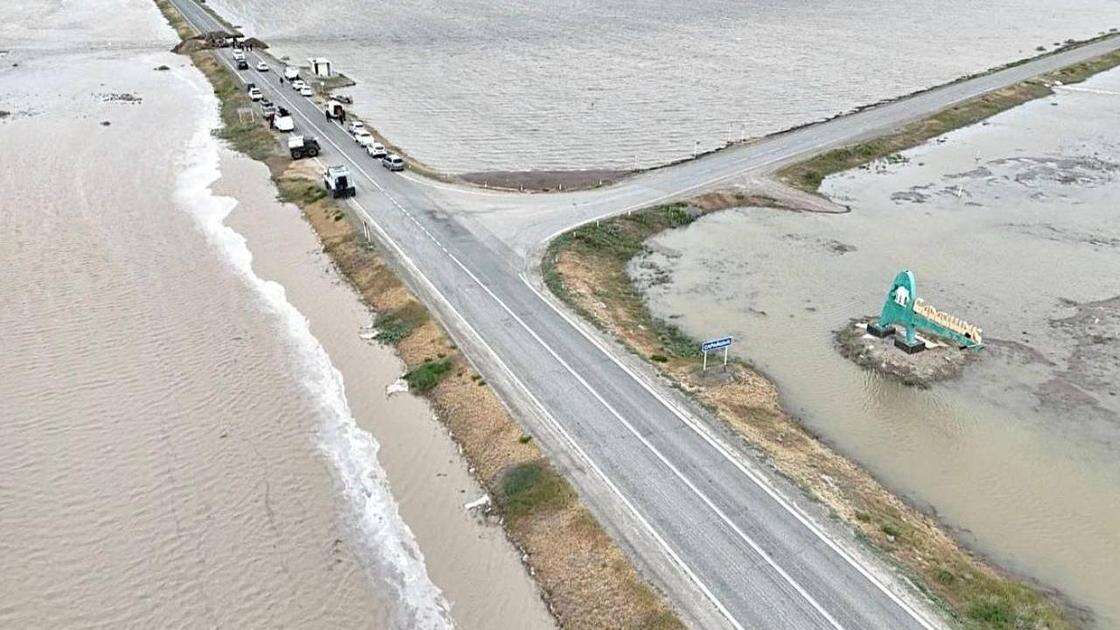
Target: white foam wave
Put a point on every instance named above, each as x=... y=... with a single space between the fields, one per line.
x=389 y=548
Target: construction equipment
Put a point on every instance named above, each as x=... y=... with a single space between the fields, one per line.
x=301 y=147
x=338 y=183
x=334 y=110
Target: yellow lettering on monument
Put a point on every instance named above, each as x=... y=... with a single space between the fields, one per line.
x=951 y=322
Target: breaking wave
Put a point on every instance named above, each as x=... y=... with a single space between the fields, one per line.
x=387 y=547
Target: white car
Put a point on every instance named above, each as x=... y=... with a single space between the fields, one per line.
x=255 y=94
x=355 y=126
x=306 y=91
x=376 y=150
x=363 y=138
x=262 y=67
x=393 y=162
x=297 y=84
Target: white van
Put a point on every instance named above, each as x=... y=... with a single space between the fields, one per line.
x=283 y=123
x=291 y=72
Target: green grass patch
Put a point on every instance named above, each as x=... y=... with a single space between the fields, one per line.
x=613 y=243
x=299 y=191
x=992 y=612
x=533 y=487
x=241 y=126
x=891 y=530
x=398 y=324
x=974 y=596
x=427 y=375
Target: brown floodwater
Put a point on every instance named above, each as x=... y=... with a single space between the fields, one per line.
x=192 y=431
x=478 y=571
x=1012 y=225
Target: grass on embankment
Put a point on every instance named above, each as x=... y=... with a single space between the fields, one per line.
x=586 y=579
x=586 y=268
x=808 y=175
x=182 y=28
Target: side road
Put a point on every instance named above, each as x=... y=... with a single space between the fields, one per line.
x=700 y=518
x=525 y=223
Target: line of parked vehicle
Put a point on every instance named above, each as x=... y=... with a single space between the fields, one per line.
x=299 y=147
x=336 y=179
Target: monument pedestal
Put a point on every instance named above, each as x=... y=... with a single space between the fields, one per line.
x=914 y=348
x=875 y=330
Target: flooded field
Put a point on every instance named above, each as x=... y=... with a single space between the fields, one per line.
x=485 y=85
x=192 y=432
x=1011 y=224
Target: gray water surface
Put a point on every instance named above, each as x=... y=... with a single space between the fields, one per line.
x=1011 y=224
x=484 y=85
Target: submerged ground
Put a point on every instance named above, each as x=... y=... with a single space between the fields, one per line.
x=1010 y=224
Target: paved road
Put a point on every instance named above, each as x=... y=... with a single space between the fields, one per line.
x=747 y=556
x=524 y=225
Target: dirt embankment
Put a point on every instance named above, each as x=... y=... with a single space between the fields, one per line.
x=940 y=360
x=585 y=578
x=587 y=269
x=587 y=581
x=544 y=181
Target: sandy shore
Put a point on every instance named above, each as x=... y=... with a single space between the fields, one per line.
x=468 y=557
x=179 y=443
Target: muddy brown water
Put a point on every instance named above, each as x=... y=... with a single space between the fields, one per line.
x=192 y=431
x=1012 y=225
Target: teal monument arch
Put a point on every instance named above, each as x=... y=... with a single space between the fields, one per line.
x=903 y=308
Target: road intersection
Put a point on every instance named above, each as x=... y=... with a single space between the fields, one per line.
x=729 y=544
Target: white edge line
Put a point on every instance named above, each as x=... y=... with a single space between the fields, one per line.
x=641 y=381
x=743 y=535
x=556 y=424
x=704 y=433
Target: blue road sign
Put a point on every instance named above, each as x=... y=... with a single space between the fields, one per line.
x=715 y=344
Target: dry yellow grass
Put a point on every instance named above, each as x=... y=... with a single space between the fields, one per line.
x=587 y=580
x=587 y=269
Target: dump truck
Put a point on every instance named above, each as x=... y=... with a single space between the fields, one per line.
x=301 y=147
x=334 y=110
x=338 y=182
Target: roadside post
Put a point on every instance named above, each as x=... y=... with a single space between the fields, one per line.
x=715 y=344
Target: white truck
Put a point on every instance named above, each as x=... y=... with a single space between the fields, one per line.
x=282 y=120
x=338 y=182
x=334 y=110
x=291 y=72
x=301 y=147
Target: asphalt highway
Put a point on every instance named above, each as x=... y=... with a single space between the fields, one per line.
x=746 y=554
